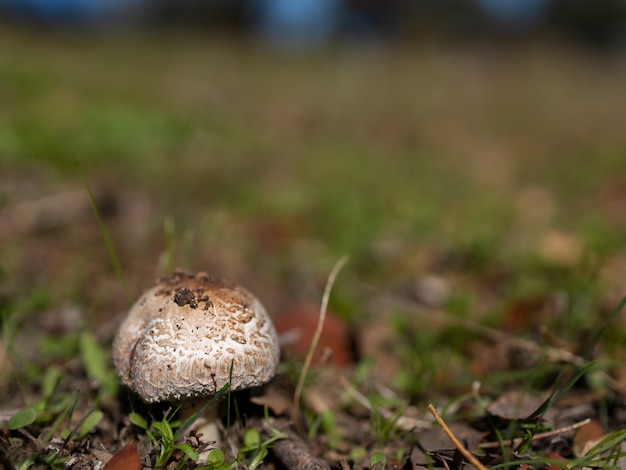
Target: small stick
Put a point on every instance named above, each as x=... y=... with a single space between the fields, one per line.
x=295 y=454
x=541 y=435
x=316 y=338
x=290 y=449
x=466 y=453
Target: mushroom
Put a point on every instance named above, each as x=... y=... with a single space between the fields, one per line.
x=189 y=336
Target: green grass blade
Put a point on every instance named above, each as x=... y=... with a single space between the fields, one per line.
x=558 y=393
x=189 y=451
x=138 y=420
x=22 y=418
x=189 y=421
x=108 y=241
x=603 y=446
x=96 y=364
x=88 y=423
x=598 y=334
x=68 y=410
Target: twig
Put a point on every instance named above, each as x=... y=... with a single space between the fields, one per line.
x=466 y=453
x=314 y=342
x=291 y=450
x=295 y=454
x=541 y=435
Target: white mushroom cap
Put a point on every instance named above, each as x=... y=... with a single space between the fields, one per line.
x=192 y=334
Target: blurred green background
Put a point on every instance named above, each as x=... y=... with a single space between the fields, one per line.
x=472 y=165
x=494 y=161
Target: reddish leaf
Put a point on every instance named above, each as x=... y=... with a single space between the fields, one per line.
x=587 y=437
x=276 y=395
x=298 y=326
x=523 y=315
x=126 y=459
x=554 y=456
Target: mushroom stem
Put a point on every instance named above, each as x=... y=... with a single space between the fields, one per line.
x=205 y=426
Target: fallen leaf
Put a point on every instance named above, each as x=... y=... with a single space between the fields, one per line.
x=516 y=404
x=555 y=456
x=523 y=315
x=587 y=437
x=377 y=340
x=297 y=327
x=126 y=459
x=276 y=395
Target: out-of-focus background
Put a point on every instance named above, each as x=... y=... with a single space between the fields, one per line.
x=469 y=155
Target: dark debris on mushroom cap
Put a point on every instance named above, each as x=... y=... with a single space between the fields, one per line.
x=189 y=288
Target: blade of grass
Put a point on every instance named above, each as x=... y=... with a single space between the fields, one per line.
x=83 y=427
x=541 y=435
x=108 y=241
x=166 y=258
x=68 y=410
x=601 y=447
x=189 y=421
x=598 y=334
x=96 y=364
x=314 y=342
x=559 y=391
x=22 y=418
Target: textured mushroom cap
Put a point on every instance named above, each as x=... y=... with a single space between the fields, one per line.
x=192 y=334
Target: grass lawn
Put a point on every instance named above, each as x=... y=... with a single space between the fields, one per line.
x=478 y=189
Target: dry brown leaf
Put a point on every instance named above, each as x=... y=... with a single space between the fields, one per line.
x=378 y=341
x=516 y=404
x=524 y=315
x=555 y=456
x=277 y=396
x=297 y=326
x=125 y=459
x=587 y=437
